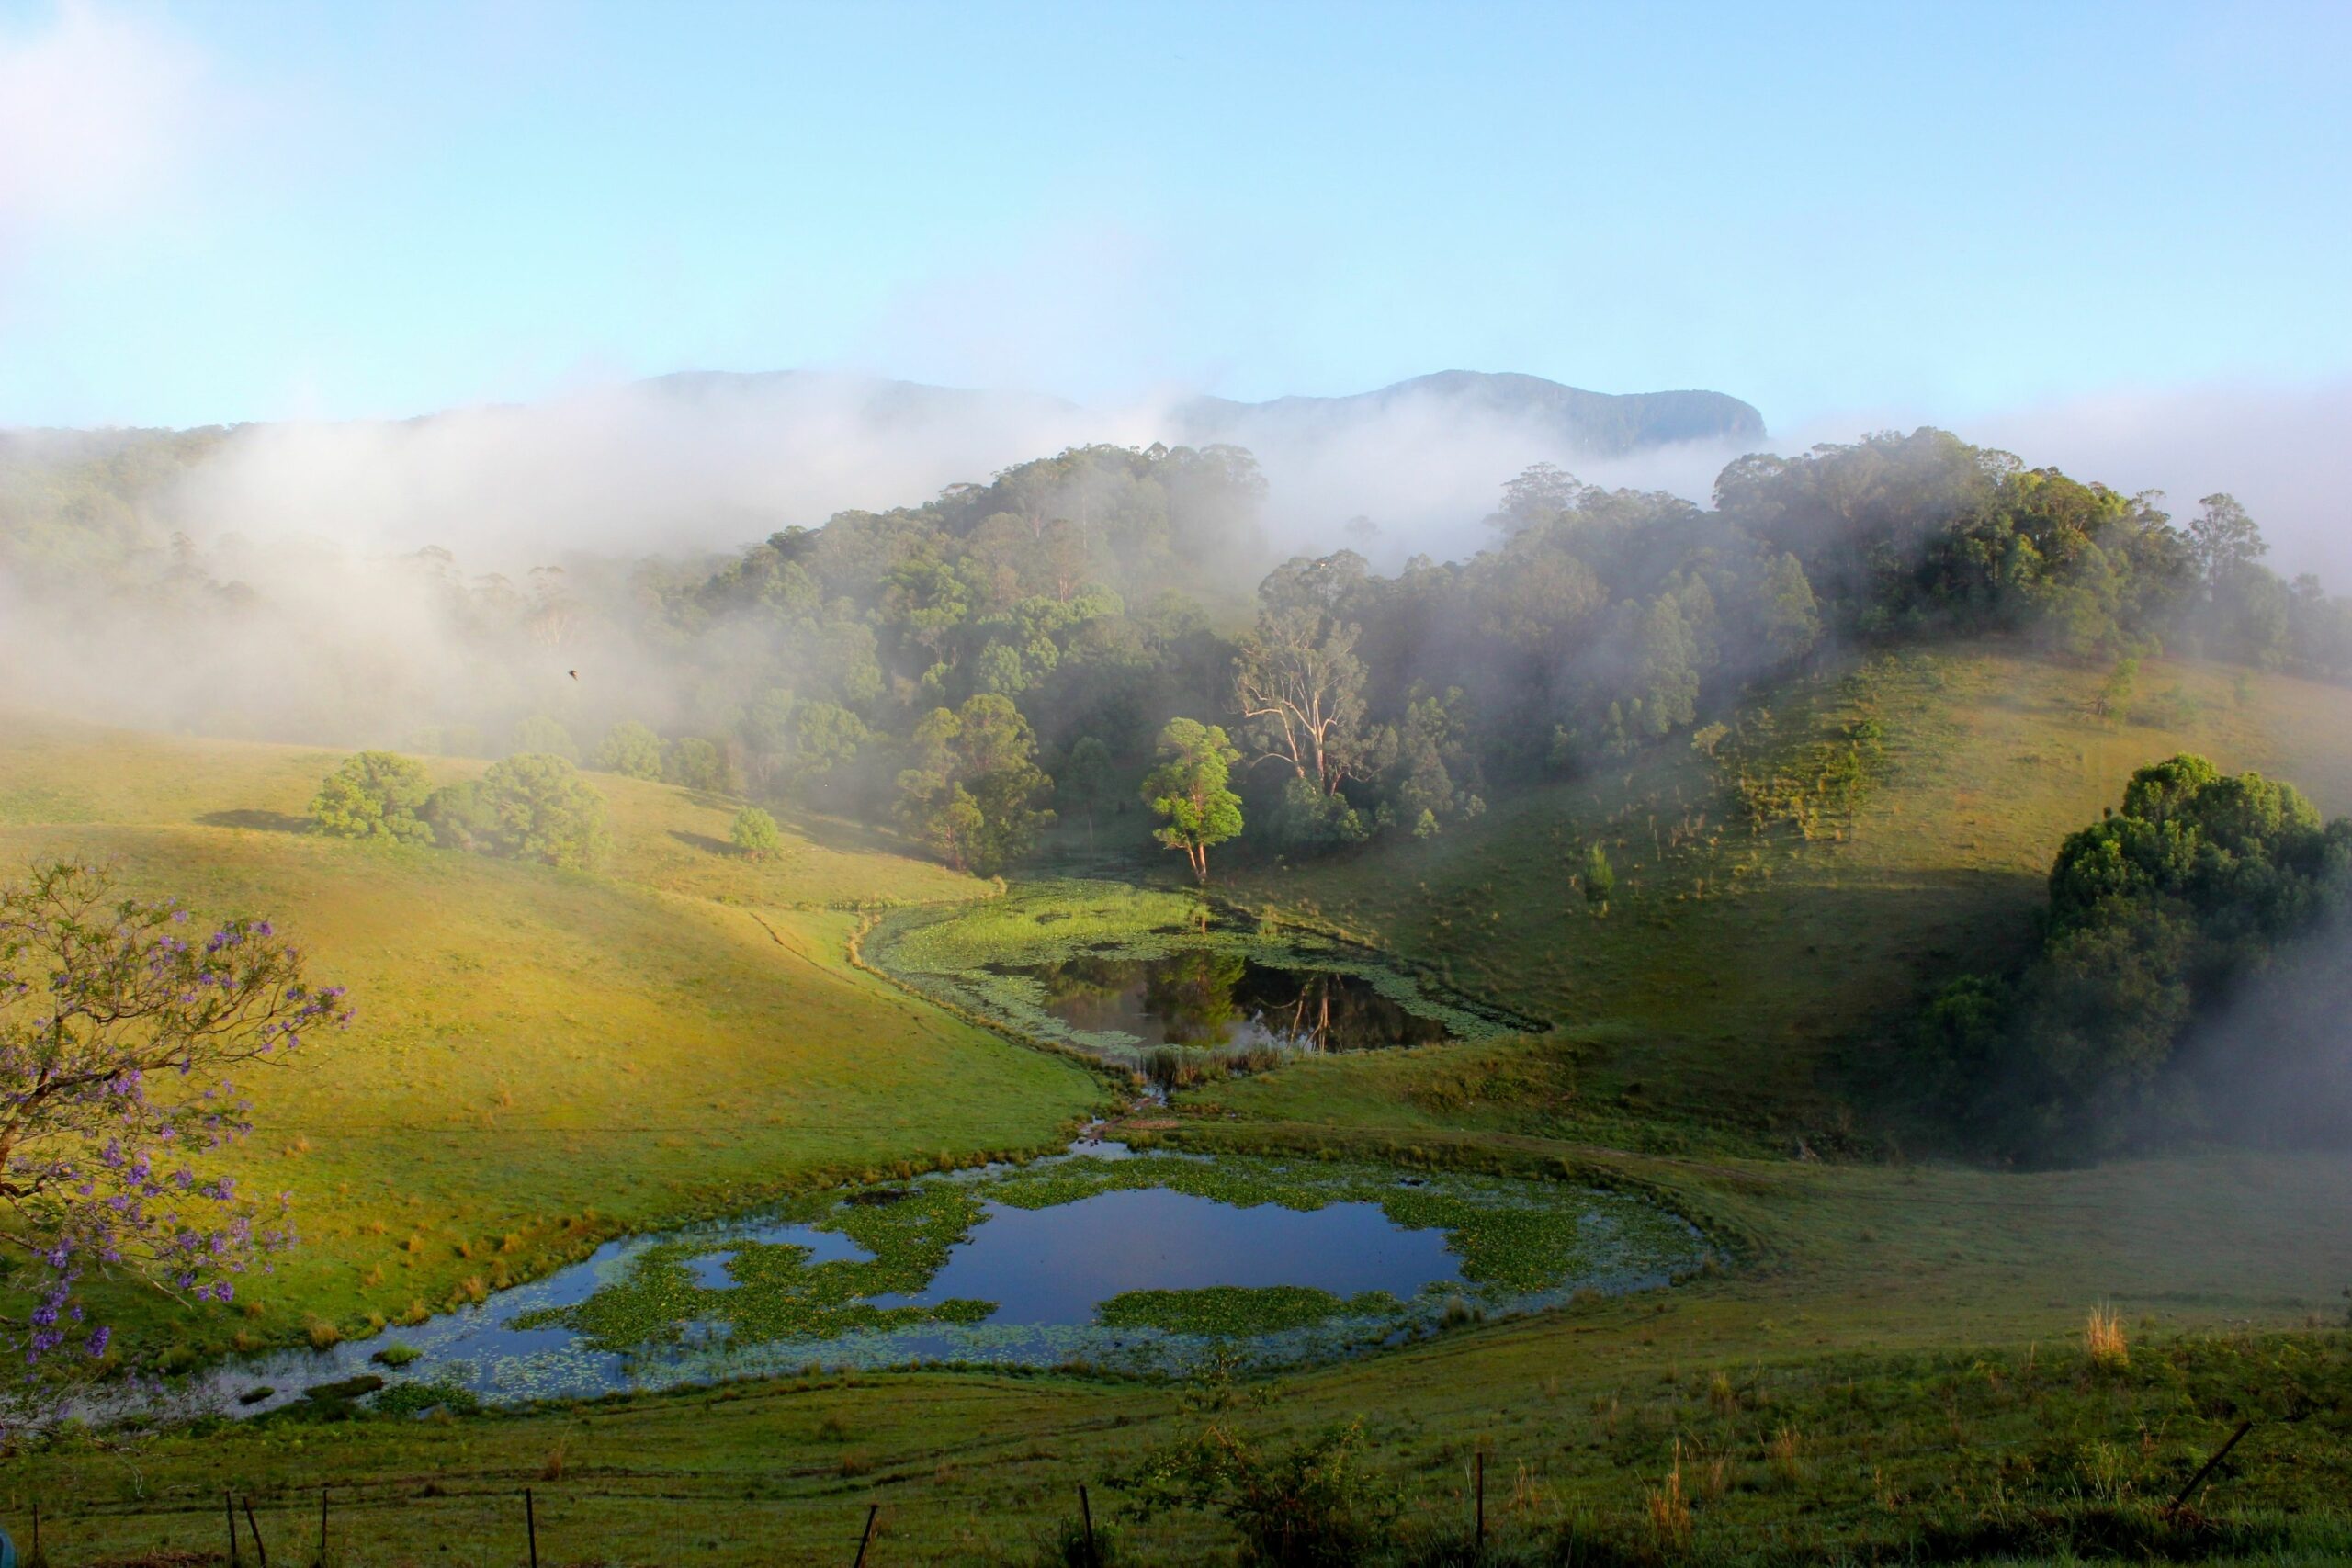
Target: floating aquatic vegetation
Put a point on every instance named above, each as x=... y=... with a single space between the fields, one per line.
x=1239 y=1309
x=1146 y=1264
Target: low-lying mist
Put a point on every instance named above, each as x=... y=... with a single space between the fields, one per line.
x=701 y=462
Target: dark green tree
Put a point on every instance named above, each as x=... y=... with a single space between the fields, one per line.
x=701 y=766
x=972 y=792
x=1086 y=778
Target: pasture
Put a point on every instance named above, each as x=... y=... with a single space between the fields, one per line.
x=1890 y=1363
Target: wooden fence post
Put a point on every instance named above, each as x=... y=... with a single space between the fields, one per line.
x=531 y=1525
x=1086 y=1518
x=261 y=1548
x=322 y=1527
x=871 y=1509
x=1482 y=1499
x=229 y=1512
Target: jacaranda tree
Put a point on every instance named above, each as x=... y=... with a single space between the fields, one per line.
x=118 y=1017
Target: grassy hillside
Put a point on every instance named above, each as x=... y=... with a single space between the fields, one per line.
x=1734 y=964
x=1889 y=1367
x=541 y=1057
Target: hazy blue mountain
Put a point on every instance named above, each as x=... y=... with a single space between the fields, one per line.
x=1592 y=424
x=1599 y=424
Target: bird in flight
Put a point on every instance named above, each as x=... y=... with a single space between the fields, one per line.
x=573 y=673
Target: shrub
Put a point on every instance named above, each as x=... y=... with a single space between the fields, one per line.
x=1310 y=1505
x=754 y=834
x=2103 y=1336
x=376 y=794
x=1599 y=879
x=539 y=810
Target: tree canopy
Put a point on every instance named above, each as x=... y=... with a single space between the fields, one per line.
x=376 y=794
x=2157 y=913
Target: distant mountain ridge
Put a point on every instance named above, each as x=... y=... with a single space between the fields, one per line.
x=1586 y=424
x=1601 y=424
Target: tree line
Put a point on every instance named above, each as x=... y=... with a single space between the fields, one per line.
x=970 y=668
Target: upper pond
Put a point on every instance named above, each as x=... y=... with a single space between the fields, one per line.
x=1132 y=973
x=1143 y=1263
x=1210 y=998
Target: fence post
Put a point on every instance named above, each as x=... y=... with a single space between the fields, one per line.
x=229 y=1512
x=322 y=1527
x=1086 y=1518
x=261 y=1548
x=531 y=1525
x=871 y=1509
x=1482 y=1499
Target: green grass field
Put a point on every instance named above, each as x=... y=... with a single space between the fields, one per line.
x=542 y=1059
x=1890 y=1368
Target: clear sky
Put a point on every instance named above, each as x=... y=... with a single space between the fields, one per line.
x=213 y=212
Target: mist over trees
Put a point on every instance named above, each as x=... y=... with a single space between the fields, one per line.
x=2163 y=915
x=957 y=668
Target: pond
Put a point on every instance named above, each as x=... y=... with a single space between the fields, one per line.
x=1146 y=1263
x=1157 y=979
x=1206 y=997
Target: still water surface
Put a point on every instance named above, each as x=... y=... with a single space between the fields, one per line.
x=1203 y=996
x=1046 y=1269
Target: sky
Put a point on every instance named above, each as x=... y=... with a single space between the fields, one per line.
x=225 y=212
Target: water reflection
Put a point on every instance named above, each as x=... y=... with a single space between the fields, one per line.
x=1207 y=997
x=1056 y=1266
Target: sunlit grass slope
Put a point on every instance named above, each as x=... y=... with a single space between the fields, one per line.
x=541 y=1057
x=1733 y=970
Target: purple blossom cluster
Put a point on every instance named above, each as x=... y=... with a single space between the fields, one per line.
x=107 y=1013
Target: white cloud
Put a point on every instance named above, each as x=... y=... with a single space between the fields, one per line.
x=98 y=108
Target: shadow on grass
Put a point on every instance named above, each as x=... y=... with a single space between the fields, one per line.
x=257 y=821
x=702 y=841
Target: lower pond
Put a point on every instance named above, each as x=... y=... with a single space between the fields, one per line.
x=1150 y=977
x=1146 y=1263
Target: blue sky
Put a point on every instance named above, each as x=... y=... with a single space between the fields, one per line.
x=238 y=211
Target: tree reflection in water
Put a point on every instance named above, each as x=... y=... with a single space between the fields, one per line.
x=1202 y=997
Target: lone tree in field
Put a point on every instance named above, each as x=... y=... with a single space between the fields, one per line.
x=376 y=794
x=540 y=809
x=755 y=834
x=117 y=1017
x=1189 y=789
